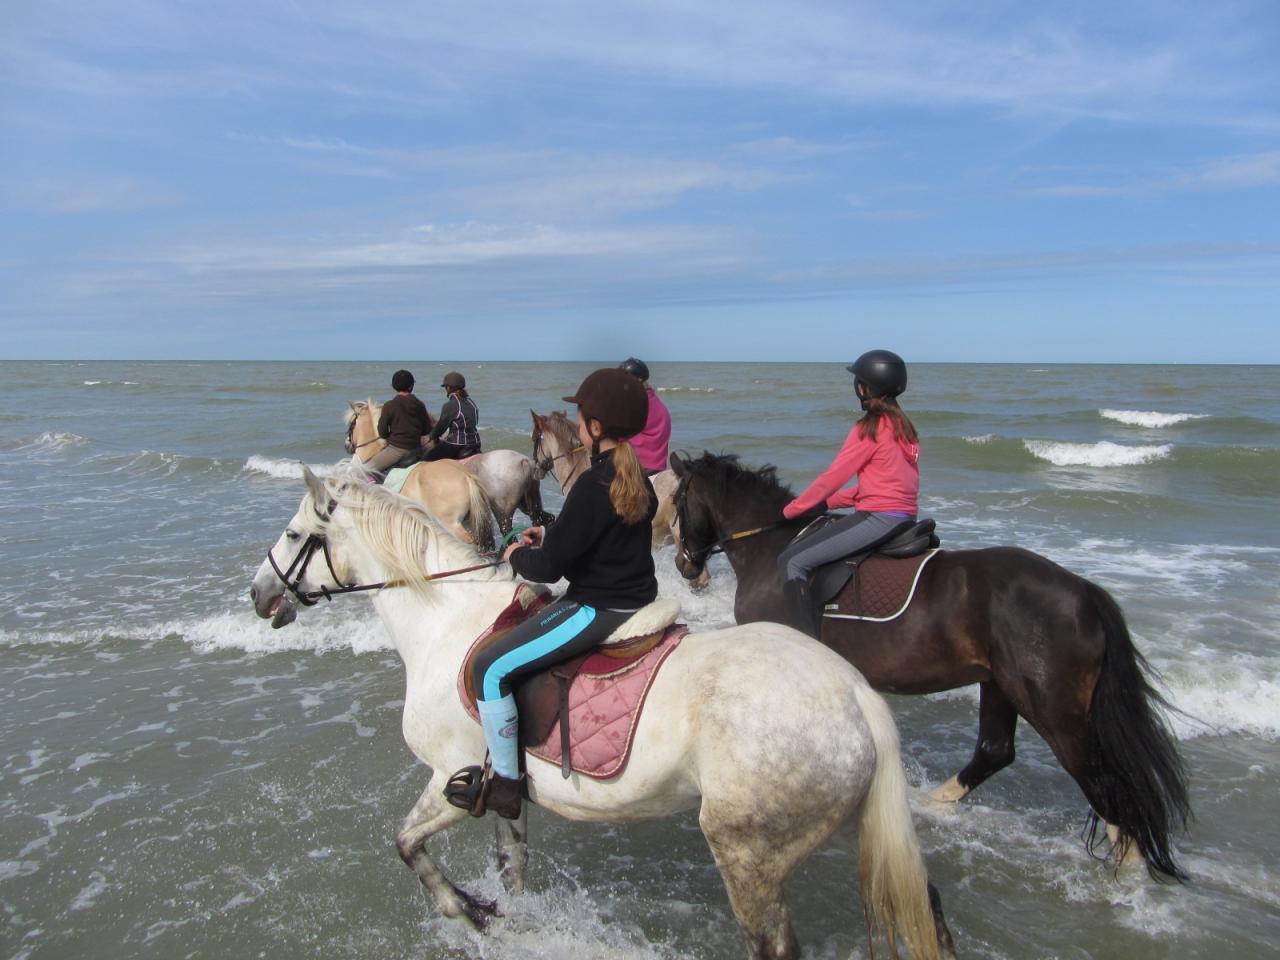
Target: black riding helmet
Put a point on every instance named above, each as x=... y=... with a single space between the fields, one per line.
x=454 y=381
x=402 y=381
x=883 y=372
x=637 y=368
x=615 y=398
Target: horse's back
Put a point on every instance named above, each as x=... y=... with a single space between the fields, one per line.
x=764 y=690
x=736 y=714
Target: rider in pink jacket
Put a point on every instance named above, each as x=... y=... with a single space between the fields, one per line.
x=650 y=443
x=882 y=451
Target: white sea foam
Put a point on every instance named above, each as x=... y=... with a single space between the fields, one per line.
x=52 y=441
x=1240 y=696
x=1102 y=454
x=1150 y=418
x=284 y=469
x=981 y=438
x=354 y=627
x=685 y=389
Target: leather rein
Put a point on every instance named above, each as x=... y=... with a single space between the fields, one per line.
x=318 y=543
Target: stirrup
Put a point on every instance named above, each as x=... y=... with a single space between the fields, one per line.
x=466 y=789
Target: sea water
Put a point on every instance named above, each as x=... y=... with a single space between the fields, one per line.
x=180 y=780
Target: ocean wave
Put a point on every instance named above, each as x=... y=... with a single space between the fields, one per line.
x=1150 y=418
x=111 y=383
x=275 y=388
x=685 y=389
x=981 y=438
x=354 y=628
x=284 y=469
x=1237 y=696
x=1101 y=454
x=51 y=441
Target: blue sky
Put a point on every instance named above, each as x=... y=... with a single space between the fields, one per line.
x=676 y=180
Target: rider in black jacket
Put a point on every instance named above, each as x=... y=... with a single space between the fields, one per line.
x=601 y=544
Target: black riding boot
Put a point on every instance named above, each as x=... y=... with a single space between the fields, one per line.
x=801 y=612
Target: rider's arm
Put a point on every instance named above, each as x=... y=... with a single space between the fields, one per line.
x=447 y=413
x=853 y=456
x=384 y=425
x=586 y=511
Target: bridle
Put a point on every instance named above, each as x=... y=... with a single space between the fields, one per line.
x=317 y=542
x=545 y=462
x=699 y=557
x=350 y=445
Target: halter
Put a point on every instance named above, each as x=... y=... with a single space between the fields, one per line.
x=545 y=463
x=316 y=541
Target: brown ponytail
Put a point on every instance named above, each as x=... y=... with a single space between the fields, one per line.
x=629 y=493
x=886 y=408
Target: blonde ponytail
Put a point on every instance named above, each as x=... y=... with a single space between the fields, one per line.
x=629 y=493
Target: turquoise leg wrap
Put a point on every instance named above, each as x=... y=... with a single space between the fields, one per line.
x=502 y=734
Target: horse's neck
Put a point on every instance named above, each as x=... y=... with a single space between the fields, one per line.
x=368 y=443
x=570 y=468
x=437 y=624
x=433 y=633
x=763 y=547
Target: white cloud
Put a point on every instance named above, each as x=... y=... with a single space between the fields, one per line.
x=1191 y=63
x=90 y=196
x=1241 y=172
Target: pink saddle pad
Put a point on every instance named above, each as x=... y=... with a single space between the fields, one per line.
x=605 y=700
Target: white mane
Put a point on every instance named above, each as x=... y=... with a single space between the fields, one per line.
x=401 y=534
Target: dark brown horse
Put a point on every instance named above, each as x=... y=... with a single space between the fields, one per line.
x=1039 y=641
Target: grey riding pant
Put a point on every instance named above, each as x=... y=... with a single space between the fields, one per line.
x=848 y=535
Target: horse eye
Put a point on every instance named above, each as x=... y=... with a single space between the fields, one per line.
x=292 y=534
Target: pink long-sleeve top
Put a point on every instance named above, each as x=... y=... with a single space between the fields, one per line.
x=651 y=443
x=888 y=475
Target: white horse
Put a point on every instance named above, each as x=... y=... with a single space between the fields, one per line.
x=508 y=477
x=558 y=451
x=773 y=738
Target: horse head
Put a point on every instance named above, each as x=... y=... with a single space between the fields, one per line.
x=361 y=419
x=287 y=578
x=715 y=498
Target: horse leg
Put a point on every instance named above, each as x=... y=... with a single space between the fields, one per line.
x=997 y=720
x=512 y=838
x=430 y=815
x=756 y=848
x=946 y=945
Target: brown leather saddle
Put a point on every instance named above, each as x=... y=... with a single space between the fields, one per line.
x=876 y=584
x=542 y=698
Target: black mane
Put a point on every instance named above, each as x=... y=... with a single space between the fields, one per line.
x=728 y=477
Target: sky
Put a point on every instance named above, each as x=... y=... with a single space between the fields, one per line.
x=1052 y=182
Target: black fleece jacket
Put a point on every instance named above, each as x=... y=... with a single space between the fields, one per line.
x=607 y=562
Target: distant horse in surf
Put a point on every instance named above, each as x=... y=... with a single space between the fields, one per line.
x=1040 y=641
x=507 y=476
x=558 y=451
x=770 y=785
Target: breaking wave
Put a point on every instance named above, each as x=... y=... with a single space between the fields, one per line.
x=1150 y=418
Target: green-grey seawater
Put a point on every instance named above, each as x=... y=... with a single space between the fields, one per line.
x=180 y=780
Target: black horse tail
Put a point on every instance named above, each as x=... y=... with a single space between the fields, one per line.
x=1136 y=779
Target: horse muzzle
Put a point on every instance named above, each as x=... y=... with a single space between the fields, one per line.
x=280 y=609
x=688 y=569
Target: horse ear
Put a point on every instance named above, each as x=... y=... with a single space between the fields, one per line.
x=314 y=484
x=537 y=420
x=678 y=465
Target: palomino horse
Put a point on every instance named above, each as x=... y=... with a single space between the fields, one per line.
x=507 y=476
x=728 y=727
x=558 y=451
x=1039 y=641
